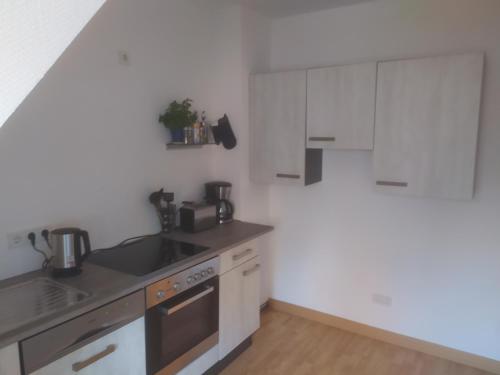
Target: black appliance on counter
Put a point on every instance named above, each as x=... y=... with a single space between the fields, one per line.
x=182 y=317
x=165 y=209
x=218 y=193
x=196 y=217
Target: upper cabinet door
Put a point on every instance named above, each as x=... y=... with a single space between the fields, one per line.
x=278 y=128
x=341 y=107
x=426 y=126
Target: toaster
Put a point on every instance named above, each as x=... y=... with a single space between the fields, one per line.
x=195 y=217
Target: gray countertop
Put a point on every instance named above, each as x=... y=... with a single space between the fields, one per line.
x=106 y=285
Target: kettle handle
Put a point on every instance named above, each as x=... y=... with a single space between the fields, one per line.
x=86 y=243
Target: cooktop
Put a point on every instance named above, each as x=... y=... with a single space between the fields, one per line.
x=145 y=255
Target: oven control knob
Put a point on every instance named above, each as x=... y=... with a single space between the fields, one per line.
x=197 y=276
x=210 y=270
x=203 y=273
x=176 y=287
x=189 y=279
x=160 y=294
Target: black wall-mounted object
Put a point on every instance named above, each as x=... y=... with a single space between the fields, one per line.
x=223 y=133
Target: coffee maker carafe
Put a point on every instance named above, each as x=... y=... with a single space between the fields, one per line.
x=218 y=193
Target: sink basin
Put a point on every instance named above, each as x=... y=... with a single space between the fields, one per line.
x=28 y=301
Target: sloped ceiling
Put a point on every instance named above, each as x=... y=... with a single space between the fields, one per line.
x=283 y=8
x=33 y=34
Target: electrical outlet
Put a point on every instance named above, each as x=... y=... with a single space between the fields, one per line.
x=20 y=239
x=381 y=299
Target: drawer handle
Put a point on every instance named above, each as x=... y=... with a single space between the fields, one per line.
x=241 y=255
x=322 y=139
x=251 y=270
x=81 y=365
x=392 y=183
x=285 y=175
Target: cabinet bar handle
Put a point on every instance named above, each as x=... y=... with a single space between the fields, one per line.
x=392 y=183
x=241 y=255
x=322 y=139
x=284 y=175
x=251 y=270
x=81 y=365
x=187 y=302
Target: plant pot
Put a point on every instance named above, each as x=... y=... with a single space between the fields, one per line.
x=177 y=135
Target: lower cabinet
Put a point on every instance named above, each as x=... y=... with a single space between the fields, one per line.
x=120 y=352
x=9 y=360
x=239 y=312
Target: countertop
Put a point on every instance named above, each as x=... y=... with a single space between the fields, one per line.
x=106 y=285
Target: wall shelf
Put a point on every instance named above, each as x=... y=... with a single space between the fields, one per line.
x=181 y=146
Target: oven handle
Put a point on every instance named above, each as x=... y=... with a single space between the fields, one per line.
x=187 y=302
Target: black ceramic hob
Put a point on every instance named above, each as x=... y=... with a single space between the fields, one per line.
x=145 y=255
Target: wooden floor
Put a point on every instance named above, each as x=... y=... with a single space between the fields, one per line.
x=288 y=345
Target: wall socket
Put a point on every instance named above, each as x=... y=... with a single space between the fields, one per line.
x=381 y=299
x=20 y=239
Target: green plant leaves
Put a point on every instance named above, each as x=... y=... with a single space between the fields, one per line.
x=179 y=115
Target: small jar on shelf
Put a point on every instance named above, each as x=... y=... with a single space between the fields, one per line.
x=188 y=135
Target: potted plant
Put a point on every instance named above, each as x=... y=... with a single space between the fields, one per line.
x=177 y=117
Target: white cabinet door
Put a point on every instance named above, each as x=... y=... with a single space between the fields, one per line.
x=121 y=352
x=426 y=127
x=239 y=306
x=250 y=272
x=341 y=107
x=278 y=127
x=9 y=360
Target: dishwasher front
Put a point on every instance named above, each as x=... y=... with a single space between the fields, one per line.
x=108 y=340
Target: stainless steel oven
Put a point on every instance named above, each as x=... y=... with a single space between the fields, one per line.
x=182 y=320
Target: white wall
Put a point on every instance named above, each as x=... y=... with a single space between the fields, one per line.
x=86 y=149
x=251 y=201
x=338 y=242
x=33 y=34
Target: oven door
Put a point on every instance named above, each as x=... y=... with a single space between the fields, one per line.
x=182 y=328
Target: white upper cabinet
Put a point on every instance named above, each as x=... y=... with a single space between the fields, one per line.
x=427 y=115
x=278 y=130
x=341 y=107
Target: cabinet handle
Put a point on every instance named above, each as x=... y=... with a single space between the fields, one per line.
x=241 y=255
x=187 y=302
x=284 y=175
x=322 y=139
x=392 y=183
x=251 y=270
x=81 y=365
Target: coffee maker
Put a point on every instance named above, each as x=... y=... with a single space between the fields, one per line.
x=218 y=193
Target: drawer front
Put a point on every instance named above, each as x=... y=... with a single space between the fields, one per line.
x=238 y=255
x=120 y=352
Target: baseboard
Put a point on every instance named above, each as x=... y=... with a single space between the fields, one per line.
x=472 y=360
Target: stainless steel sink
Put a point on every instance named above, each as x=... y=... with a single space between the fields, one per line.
x=26 y=302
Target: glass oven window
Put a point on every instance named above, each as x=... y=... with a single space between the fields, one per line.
x=181 y=323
